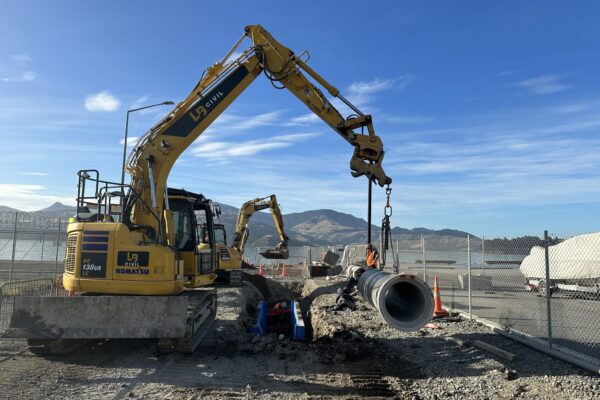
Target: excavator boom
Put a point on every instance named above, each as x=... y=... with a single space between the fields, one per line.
x=156 y=152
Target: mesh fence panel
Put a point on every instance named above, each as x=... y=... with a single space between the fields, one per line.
x=498 y=290
x=574 y=289
x=30 y=246
x=509 y=286
x=504 y=281
x=10 y=290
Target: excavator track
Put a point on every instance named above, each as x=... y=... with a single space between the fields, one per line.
x=201 y=314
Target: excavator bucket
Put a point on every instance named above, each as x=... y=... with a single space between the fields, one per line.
x=275 y=254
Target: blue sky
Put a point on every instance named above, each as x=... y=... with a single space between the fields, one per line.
x=489 y=111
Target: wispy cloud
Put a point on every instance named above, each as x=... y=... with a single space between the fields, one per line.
x=28 y=197
x=545 y=84
x=377 y=85
x=140 y=102
x=20 y=62
x=572 y=108
x=303 y=120
x=26 y=76
x=408 y=120
x=218 y=150
x=361 y=93
x=35 y=173
x=230 y=123
x=22 y=58
x=101 y=102
x=131 y=141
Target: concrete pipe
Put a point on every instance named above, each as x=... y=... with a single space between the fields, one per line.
x=354 y=271
x=404 y=301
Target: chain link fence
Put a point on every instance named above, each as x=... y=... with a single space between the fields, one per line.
x=31 y=246
x=544 y=288
x=30 y=287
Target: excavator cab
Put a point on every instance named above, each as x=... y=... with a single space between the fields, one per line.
x=219 y=232
x=228 y=258
x=197 y=248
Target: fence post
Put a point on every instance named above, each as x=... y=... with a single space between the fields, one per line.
x=58 y=235
x=469 y=275
x=398 y=252
x=423 y=260
x=483 y=254
x=42 y=255
x=309 y=255
x=548 y=289
x=14 y=248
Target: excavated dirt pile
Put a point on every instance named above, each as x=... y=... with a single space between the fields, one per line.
x=351 y=354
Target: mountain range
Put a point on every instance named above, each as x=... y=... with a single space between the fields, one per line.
x=314 y=227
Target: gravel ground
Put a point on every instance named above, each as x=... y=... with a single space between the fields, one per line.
x=442 y=369
x=354 y=355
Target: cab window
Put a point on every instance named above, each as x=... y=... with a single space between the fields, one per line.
x=220 y=236
x=183 y=226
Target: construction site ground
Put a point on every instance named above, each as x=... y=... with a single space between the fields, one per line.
x=351 y=354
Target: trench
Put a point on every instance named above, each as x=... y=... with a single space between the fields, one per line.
x=304 y=291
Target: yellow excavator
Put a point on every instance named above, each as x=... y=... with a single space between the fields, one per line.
x=134 y=263
x=230 y=258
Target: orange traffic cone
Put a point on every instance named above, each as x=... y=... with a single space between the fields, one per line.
x=261 y=271
x=283 y=271
x=438 y=311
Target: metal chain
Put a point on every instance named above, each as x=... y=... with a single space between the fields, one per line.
x=387 y=211
x=386 y=232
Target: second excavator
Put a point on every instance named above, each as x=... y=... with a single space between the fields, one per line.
x=231 y=257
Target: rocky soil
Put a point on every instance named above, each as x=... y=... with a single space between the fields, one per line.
x=353 y=354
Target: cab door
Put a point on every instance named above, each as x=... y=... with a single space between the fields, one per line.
x=185 y=236
x=206 y=260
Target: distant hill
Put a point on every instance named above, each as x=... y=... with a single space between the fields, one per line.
x=7 y=209
x=57 y=210
x=314 y=227
x=330 y=227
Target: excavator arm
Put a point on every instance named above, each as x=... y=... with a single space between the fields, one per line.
x=156 y=152
x=241 y=227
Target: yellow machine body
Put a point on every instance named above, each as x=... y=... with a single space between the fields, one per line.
x=109 y=258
